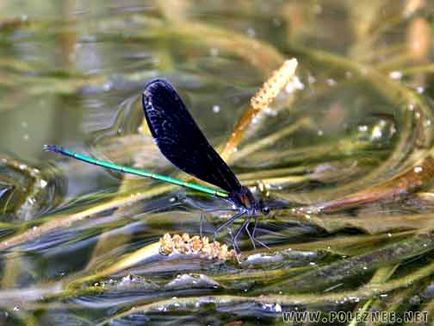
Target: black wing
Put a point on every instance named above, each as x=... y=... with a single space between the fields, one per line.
x=180 y=139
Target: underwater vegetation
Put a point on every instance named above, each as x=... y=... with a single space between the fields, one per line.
x=323 y=109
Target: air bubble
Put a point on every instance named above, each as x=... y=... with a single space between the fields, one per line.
x=331 y=82
x=396 y=75
x=214 y=52
x=294 y=84
x=251 y=32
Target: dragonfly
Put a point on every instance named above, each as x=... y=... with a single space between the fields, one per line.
x=181 y=141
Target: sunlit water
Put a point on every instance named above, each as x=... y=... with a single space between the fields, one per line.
x=344 y=151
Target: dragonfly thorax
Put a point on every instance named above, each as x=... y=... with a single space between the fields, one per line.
x=244 y=198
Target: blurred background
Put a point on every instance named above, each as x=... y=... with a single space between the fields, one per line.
x=350 y=136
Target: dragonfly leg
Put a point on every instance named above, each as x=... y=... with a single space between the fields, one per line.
x=254 y=235
x=229 y=221
x=261 y=243
x=255 y=225
x=251 y=237
x=201 y=224
x=240 y=229
x=234 y=243
x=227 y=224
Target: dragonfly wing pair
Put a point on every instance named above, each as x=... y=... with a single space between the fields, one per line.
x=180 y=139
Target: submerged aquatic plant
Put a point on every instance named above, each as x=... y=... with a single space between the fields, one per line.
x=346 y=144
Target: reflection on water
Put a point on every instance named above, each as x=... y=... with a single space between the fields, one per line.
x=347 y=148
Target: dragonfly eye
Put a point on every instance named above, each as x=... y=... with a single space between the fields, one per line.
x=265 y=210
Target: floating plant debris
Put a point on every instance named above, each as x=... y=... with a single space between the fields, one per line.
x=201 y=246
x=272 y=87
